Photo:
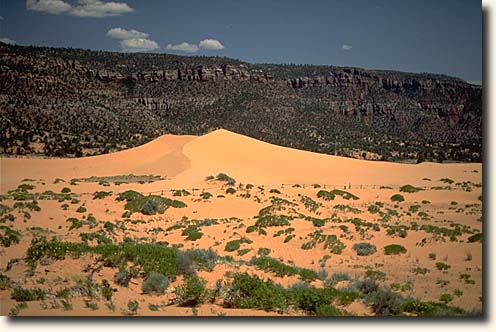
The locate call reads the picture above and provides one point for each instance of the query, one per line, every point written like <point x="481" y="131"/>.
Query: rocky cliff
<point x="77" y="102"/>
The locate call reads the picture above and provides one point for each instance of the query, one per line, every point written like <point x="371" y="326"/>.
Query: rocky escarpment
<point x="79" y="102"/>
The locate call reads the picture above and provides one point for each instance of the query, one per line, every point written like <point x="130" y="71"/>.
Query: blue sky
<point x="441" y="36"/>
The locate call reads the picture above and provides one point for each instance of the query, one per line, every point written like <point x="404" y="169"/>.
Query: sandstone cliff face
<point x="200" y="73"/>
<point x="102" y="97"/>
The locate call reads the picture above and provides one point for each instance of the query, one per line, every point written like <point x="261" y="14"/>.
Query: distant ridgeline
<point x="74" y="102"/>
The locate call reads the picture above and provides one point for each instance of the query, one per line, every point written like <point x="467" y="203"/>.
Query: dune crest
<point x="188" y="159"/>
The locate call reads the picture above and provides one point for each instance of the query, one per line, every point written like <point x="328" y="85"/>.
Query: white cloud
<point x="84" y="8"/>
<point x="119" y="33"/>
<point x="48" y="6"/>
<point x="7" y="41"/>
<point x="97" y="8"/>
<point x="346" y="47"/>
<point x="138" y="45"/>
<point x="211" y="44"/>
<point x="183" y="47"/>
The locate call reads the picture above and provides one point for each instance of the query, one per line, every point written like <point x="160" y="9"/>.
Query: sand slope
<point x="188" y="159"/>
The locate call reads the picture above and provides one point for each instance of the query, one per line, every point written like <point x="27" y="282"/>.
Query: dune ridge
<point x="188" y="159"/>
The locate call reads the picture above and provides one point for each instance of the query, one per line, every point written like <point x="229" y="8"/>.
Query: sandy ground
<point x="185" y="161"/>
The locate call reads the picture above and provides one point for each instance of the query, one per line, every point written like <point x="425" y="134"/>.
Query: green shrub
<point x="365" y="286"/>
<point x="192" y="233"/>
<point x="5" y="282"/>
<point x="75" y="223"/>
<point x="477" y="237"/>
<point x="9" y="236"/>
<point x="442" y="266"/>
<point x="327" y="310"/>
<point x="397" y="198"/>
<point x="446" y="298"/>
<point x="375" y="275"/>
<point x="192" y="292"/>
<point x="101" y="194"/>
<point x="155" y="283"/>
<point x="385" y="302"/>
<point x="81" y="209"/>
<point x="326" y="195"/>
<point x="24" y="295"/>
<point x="230" y="191"/>
<point x="364" y="248"/>
<point x="394" y="249"/>
<point x="122" y="278"/>
<point x="149" y="207"/>
<point x="148" y="204"/>
<point x="274" y="191"/>
<point x="263" y="251"/>
<point x="232" y="245"/>
<point x="206" y="195"/>
<point x="225" y="178"/>
<point x="410" y="189"/>
<point x="430" y="309"/>
<point x="65" y="190"/>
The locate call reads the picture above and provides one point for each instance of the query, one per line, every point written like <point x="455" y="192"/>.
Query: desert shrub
<point x="414" y="208"/>
<point x="420" y="270"/>
<point x="65" y="190"/>
<point x="364" y="248"/>
<point x="24" y="295"/>
<point x="446" y="298"/>
<point x="149" y="207"/>
<point x="132" y="307"/>
<point x="75" y="223"/>
<point x="280" y="269"/>
<point x="152" y="204"/>
<point x="101" y="194"/>
<point x="339" y="276"/>
<point x="327" y="310"/>
<point x="225" y="178"/>
<point x="155" y="283"/>
<point x="185" y="264"/>
<point x="206" y="195"/>
<point x="192" y="233"/>
<point x="432" y="256"/>
<point x="129" y="195"/>
<point x="192" y="292"/>
<point x="430" y="309"/>
<point x="397" y="198"/>
<point x="326" y="195"/>
<point x="81" y="209"/>
<point x="246" y="291"/>
<point x="5" y="282"/>
<point x="9" y="236"/>
<point x="442" y="266"/>
<point x="385" y="302"/>
<point x="242" y="252"/>
<point x="122" y="278"/>
<point x="126" y="214"/>
<point x="375" y="275"/>
<point x="230" y="191"/>
<point x="232" y="245"/>
<point x="410" y="189"/>
<point x="477" y="237"/>
<point x="273" y="220"/>
<point x="365" y="286"/>
<point x="447" y="180"/>
<point x="394" y="249"/>
<point x="263" y="251"/>
<point x="181" y="192"/>
<point x="274" y="191"/>
<point x="374" y="209"/>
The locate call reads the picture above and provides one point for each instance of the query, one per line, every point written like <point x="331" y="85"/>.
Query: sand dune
<point x="188" y="159"/>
